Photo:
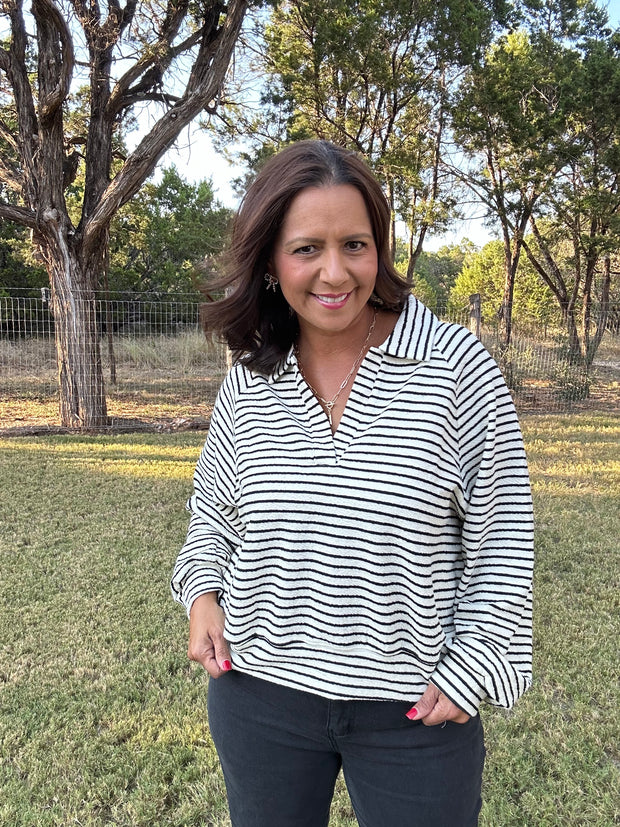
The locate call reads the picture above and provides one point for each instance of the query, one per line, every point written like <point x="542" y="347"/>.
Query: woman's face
<point x="325" y="259"/>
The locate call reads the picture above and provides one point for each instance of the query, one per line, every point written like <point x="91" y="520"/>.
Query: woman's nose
<point x="333" y="270"/>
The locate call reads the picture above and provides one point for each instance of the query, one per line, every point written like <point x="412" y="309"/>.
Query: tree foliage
<point x="528" y="122"/>
<point x="583" y="205"/>
<point x="539" y="120"/>
<point x="16" y="270"/>
<point x="483" y="273"/>
<point x="435" y="273"/>
<point x="371" y="75"/>
<point x="160" y="236"/>
<point x="157" y="240"/>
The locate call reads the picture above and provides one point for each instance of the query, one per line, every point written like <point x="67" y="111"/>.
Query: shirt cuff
<point x="458" y="684"/>
<point x="200" y="582"/>
<point x="472" y="670"/>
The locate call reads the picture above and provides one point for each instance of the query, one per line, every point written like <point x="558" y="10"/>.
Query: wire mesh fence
<point x="158" y="366"/>
<point x="161" y="372"/>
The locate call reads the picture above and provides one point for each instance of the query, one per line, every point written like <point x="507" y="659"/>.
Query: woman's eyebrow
<point x="306" y="239"/>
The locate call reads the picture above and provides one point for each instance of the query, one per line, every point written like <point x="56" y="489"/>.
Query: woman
<point x="357" y="569"/>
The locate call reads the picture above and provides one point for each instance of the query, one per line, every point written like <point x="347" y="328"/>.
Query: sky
<point x="196" y="160"/>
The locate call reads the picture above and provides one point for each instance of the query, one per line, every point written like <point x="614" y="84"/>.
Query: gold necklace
<point x="328" y="404"/>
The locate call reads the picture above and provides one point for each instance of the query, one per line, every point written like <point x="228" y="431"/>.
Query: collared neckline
<point x="412" y="338"/>
<point x="414" y="333"/>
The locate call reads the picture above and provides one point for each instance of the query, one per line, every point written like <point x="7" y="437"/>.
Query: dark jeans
<point x="281" y="751"/>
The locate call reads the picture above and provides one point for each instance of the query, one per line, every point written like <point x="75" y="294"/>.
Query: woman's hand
<point x="434" y="708"/>
<point x="206" y="635"/>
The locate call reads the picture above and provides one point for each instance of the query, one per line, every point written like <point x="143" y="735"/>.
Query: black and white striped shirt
<point x="362" y="564"/>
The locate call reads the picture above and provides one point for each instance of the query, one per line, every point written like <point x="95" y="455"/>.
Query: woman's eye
<point x="355" y="245"/>
<point x="308" y="248"/>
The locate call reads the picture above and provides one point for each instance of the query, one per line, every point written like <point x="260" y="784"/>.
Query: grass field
<point x="102" y="719"/>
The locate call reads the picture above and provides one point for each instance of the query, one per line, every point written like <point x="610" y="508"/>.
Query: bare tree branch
<point x="10" y="176"/>
<point x="128" y="14"/>
<point x="9" y="180"/>
<point x="151" y="70"/>
<point x="8" y="135"/>
<point x="155" y="62"/>
<point x="160" y="97"/>
<point x="5" y="61"/>
<point x="15" y="66"/>
<point x="20" y="215"/>
<point x="211" y="36"/>
<point x="118" y="19"/>
<point x="214" y="56"/>
<point x="48" y="16"/>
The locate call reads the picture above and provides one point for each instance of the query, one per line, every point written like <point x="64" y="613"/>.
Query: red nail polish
<point x="226" y="665"/>
<point x="413" y="713"/>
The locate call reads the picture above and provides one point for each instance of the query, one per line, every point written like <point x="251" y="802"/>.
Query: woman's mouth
<point x="333" y="300"/>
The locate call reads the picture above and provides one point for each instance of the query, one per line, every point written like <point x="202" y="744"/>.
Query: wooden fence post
<point x="475" y="314"/>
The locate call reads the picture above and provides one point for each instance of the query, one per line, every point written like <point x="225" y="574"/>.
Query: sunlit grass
<point x="554" y="760"/>
<point x="103" y="720"/>
<point x="163" y="402"/>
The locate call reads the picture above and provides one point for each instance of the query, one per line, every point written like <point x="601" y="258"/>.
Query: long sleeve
<point x="491" y="650"/>
<point x="215" y="528"/>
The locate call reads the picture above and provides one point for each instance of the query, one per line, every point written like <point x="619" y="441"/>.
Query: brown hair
<point x="256" y="323"/>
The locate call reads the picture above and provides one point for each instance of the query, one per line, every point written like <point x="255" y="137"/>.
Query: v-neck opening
<point x="361" y="388"/>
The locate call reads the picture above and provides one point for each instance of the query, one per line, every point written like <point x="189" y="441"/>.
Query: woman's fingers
<point x="435" y="708"/>
<point x="207" y="644"/>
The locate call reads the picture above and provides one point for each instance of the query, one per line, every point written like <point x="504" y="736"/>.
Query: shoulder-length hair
<point x="255" y="322"/>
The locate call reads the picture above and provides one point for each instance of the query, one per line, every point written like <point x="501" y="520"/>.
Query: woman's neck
<point x="316" y="345"/>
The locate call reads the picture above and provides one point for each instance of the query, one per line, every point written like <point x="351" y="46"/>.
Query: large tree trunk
<point x="511" y="261"/>
<point x="575" y="354"/>
<point x="592" y="342"/>
<point x="80" y="372"/>
<point x="506" y="307"/>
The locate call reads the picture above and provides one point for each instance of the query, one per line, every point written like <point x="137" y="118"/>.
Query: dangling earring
<point x="272" y="282"/>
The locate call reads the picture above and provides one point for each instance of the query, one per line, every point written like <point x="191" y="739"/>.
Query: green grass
<point x="102" y="719"/>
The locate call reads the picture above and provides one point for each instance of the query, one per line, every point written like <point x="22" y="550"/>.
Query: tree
<point x="484" y="273"/>
<point x="575" y="240"/>
<point x="172" y="55"/>
<point x="522" y="111"/>
<point x="371" y="75"/>
<point x="439" y="271"/>
<point x="504" y="115"/>
<point x="163" y="232"/>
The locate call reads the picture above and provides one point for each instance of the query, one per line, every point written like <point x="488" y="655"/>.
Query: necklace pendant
<point x="329" y="407"/>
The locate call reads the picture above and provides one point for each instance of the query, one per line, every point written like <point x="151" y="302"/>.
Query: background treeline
<point x="156" y="241"/>
<point x="511" y="110"/>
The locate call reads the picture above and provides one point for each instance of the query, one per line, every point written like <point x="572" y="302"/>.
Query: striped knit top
<point x="397" y="551"/>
